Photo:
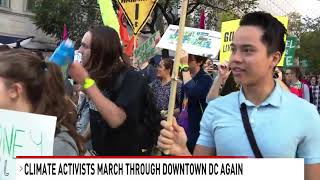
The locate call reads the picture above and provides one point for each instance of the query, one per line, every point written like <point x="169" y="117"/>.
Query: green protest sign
<point x="291" y="45"/>
<point x="148" y="49"/>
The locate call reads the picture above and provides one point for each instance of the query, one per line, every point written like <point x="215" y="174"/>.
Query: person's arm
<point x="223" y="74"/>
<point x="312" y="172"/>
<point x="186" y="77"/>
<point x="194" y="90"/>
<point x="110" y="112"/>
<point x="214" y="91"/>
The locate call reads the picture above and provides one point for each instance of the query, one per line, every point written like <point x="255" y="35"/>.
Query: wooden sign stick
<point x="135" y="39"/>
<point x="176" y="64"/>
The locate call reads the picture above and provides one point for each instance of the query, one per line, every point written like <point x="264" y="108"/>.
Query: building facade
<point x="17" y="28"/>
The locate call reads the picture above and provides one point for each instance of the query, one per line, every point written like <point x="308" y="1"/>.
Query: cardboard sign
<point x="23" y="134"/>
<point x="195" y="41"/>
<point x="137" y="12"/>
<point x="148" y="49"/>
<point x="228" y="29"/>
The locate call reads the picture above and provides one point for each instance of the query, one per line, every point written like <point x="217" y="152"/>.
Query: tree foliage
<point x="214" y="9"/>
<point x="295" y="26"/>
<point x="309" y="44"/>
<point x="78" y="15"/>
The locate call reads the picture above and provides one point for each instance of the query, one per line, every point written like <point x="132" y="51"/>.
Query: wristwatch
<point x="183" y="68"/>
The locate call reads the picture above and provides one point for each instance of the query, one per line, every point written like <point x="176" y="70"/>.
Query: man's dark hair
<point x="273" y="30"/>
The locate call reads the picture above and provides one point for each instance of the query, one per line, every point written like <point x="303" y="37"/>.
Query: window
<point x="4" y="3"/>
<point x="30" y="5"/>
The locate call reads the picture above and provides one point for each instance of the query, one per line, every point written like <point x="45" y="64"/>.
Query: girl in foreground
<point x="31" y="85"/>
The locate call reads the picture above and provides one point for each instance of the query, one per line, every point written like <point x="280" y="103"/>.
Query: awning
<point x="27" y="43"/>
<point x="9" y="39"/>
<point x="37" y="45"/>
<point x="14" y="42"/>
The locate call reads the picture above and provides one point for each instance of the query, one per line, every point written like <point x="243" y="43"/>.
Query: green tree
<point x="78" y="15"/>
<point x="295" y="26"/>
<point x="309" y="44"/>
<point x="215" y="10"/>
<point x="51" y="15"/>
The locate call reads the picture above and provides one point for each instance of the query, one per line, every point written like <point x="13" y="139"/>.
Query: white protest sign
<point x="196" y="41"/>
<point x="23" y="134"/>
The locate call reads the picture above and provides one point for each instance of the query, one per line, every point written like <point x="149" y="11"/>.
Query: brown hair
<point x="198" y="59"/>
<point x="44" y="88"/>
<point x="296" y="70"/>
<point x="106" y="50"/>
<point x="4" y="48"/>
<point x="168" y="64"/>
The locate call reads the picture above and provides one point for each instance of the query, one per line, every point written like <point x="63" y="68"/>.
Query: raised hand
<point x="224" y="70"/>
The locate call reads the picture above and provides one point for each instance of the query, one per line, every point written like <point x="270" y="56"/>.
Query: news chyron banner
<point x="175" y="168"/>
<point x="228" y="29"/>
<point x="137" y="12"/>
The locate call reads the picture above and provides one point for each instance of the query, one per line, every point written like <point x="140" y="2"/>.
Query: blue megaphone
<point x="63" y="56"/>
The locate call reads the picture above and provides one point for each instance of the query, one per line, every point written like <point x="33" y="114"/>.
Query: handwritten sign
<point x="291" y="45"/>
<point x="23" y="134"/>
<point x="195" y="41"/>
<point x="148" y="49"/>
<point x="228" y="29"/>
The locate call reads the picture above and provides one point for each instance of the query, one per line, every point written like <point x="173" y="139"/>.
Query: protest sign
<point x="195" y="41"/>
<point x="137" y="12"/>
<point x="228" y="29"/>
<point x="291" y="45"/>
<point x="148" y="49"/>
<point x="23" y="134"/>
